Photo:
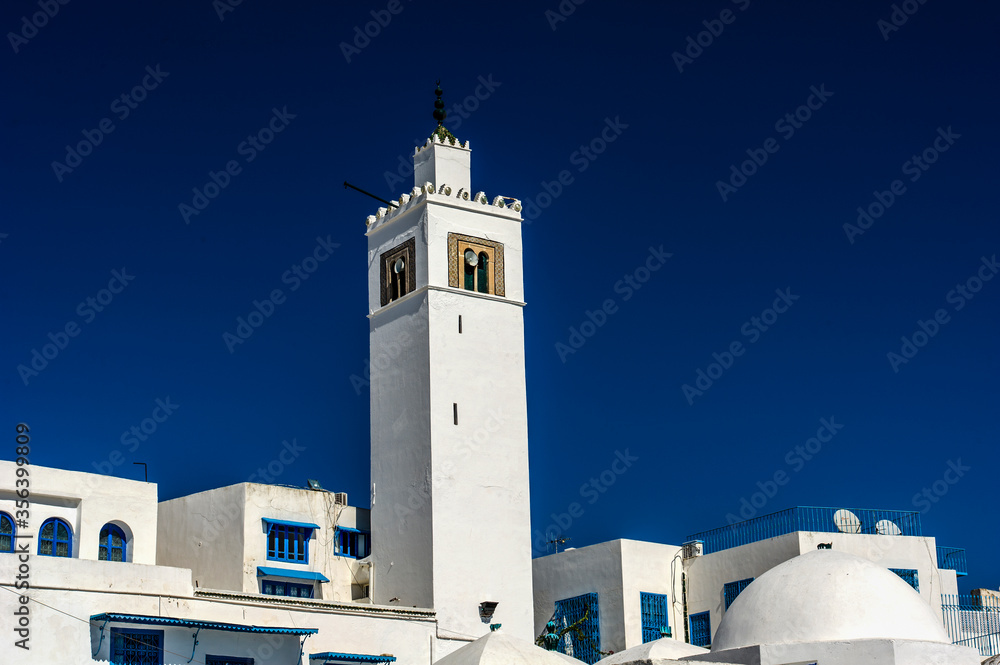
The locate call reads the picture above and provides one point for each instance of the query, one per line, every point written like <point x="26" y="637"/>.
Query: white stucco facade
<point x="221" y="535"/>
<point x="450" y="507"/>
<point x="618" y="571"/>
<point x="86" y="502"/>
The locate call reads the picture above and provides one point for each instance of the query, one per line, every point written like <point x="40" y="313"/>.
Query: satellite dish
<point x="398" y="266"/>
<point x="887" y="528"/>
<point x="471" y="258"/>
<point x="846" y="521"/>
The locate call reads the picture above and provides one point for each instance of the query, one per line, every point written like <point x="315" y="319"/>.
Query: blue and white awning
<point x="267" y="571"/>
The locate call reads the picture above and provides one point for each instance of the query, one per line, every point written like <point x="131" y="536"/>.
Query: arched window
<point x="112" y="545"/>
<point x="483" y="274"/>
<point x="6" y="533"/>
<point x="470" y="260"/>
<point x="55" y="538"/>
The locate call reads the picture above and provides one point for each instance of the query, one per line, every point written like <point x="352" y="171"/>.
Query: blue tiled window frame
<point x="119" y="659"/>
<point x="55" y="541"/>
<point x="701" y="629"/>
<point x="732" y="589"/>
<point x="655" y="610"/>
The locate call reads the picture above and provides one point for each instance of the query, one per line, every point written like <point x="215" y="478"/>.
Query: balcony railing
<point x="810" y="518"/>
<point x="952" y="558"/>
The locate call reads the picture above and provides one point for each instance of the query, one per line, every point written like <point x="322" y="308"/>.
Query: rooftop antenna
<point x="558" y="541"/>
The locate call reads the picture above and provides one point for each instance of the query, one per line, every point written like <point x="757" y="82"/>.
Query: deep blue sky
<point x="552" y="92"/>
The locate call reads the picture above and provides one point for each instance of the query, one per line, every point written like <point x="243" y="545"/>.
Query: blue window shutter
<point x="584" y="643"/>
<point x="733" y="589"/>
<point x="655" y="617"/>
<point x="701" y="629"/>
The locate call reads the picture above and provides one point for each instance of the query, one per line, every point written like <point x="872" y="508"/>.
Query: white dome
<point x="823" y="596"/>
<point x="663" y="649"/>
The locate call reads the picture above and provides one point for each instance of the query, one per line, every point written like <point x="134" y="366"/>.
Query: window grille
<point x="288" y="543"/>
<point x="55" y="538"/>
<point x="289" y="589"/>
<point x="112" y="544"/>
<point x="6" y="533"/>
<point x="654" y="616"/>
<point x="701" y="629"/>
<point x="583" y="643"/>
<point x="136" y="647"/>
<point x="909" y="575"/>
<point x="733" y="589"/>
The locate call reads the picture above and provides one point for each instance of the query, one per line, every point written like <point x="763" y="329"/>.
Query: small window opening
<point x="454" y="407"/>
<point x="459" y="324"/>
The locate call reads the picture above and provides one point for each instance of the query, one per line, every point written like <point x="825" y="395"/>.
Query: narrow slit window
<point x="454" y="408"/>
<point x="459" y="324"/>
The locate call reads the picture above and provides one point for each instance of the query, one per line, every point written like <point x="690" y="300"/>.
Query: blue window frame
<point x="733" y="589"/>
<point x="655" y="619"/>
<point x="583" y="643"/>
<point x="701" y="629"/>
<point x="909" y="576"/>
<point x="353" y="543"/>
<point x="227" y="660"/>
<point x="55" y="538"/>
<point x="288" y="542"/>
<point x="7" y="533"/>
<point x="112" y="544"/>
<point x="136" y="647"/>
<point x="289" y="589"/>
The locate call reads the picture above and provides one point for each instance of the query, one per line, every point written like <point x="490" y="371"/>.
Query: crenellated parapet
<point x="419" y="194"/>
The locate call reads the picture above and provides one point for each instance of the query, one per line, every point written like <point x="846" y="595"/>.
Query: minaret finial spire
<point x="439" y="112"/>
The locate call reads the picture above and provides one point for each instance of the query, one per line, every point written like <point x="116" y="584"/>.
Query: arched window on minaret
<point x="398" y="272"/>
<point x="470" y="269"/>
<point x="483" y="274"/>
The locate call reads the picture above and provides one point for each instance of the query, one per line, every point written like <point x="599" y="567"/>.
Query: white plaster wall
<point x="618" y="571"/>
<point x="442" y="164"/>
<point x="651" y="568"/>
<point x="205" y="532"/>
<point x="592" y="569"/>
<point x="105" y="576"/>
<point x="88" y="501"/>
<point x="447" y="214"/>
<point x="410" y="223"/>
<point x="706" y="575"/>
<point x="401" y="453"/>
<point x="409" y="637"/>
<point x="480" y="467"/>
<point x="303" y="505"/>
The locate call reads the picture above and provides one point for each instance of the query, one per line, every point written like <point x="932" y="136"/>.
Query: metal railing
<point x="973" y="621"/>
<point x="810" y="518"/>
<point x="952" y="558"/>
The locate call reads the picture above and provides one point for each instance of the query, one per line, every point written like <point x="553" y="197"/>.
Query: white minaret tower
<point x="450" y="515"/>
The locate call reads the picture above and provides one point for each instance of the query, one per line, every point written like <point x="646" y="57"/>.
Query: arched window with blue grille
<point x="55" y="538"/>
<point x="7" y="533"/>
<point x="113" y="545"/>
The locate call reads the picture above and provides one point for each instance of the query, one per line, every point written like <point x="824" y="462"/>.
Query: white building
<point x="260" y="574"/>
